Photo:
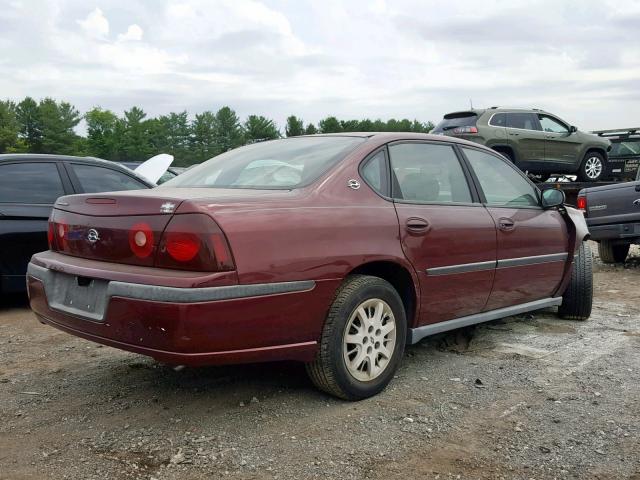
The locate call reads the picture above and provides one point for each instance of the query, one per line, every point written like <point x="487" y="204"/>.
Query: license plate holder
<point x="79" y="296"/>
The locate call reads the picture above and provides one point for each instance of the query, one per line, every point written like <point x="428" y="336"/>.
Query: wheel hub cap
<point x="593" y="167"/>
<point x="369" y="339"/>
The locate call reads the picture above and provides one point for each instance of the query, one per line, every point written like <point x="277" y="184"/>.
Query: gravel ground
<point x="529" y="397"/>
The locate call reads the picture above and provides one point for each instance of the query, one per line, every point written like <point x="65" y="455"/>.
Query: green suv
<point x="536" y="141"/>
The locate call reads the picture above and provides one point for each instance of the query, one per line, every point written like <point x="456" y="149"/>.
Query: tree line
<point x="48" y="126"/>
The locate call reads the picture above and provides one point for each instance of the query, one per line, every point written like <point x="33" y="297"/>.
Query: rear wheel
<point x="611" y="252"/>
<point x="592" y="168"/>
<point x="577" y="299"/>
<point x="362" y="341"/>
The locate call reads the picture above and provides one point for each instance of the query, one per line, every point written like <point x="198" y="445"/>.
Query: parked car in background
<point x="29" y="185"/>
<point x="536" y="141"/>
<point x="613" y="217"/>
<point x="336" y="254"/>
<point x="171" y="172"/>
<point x="624" y="157"/>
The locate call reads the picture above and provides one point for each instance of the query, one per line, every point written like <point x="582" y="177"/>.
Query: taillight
<point x="582" y="203"/>
<point x="60" y="231"/>
<point x="194" y="241"/>
<point x="51" y="236"/>
<point x="463" y="130"/>
<point x="141" y="240"/>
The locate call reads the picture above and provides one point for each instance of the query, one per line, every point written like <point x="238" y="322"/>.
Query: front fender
<point x="576" y="223"/>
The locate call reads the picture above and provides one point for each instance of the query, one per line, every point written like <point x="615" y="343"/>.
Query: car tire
<point x="611" y="252"/>
<point x="334" y="369"/>
<point x="593" y="167"/>
<point x="577" y="299"/>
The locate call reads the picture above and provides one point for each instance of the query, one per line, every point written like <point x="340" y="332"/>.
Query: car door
<point x="447" y="235"/>
<point x="533" y="243"/>
<point x="28" y="191"/>
<point x="561" y="145"/>
<point x="524" y="131"/>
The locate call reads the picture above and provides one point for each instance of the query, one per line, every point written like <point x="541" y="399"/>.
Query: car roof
<point x="27" y="157"/>
<point x="482" y="111"/>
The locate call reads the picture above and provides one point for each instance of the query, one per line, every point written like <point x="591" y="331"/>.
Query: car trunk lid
<point x="617" y="203"/>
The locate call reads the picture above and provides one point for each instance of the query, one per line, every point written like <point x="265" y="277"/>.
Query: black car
<point x="624" y="157"/>
<point x="29" y="186"/>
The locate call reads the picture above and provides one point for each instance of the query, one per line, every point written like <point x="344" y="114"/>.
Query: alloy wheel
<point x="369" y="340"/>
<point x="593" y="167"/>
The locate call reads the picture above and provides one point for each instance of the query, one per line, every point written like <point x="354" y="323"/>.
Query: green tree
<point x="365" y="125"/>
<point x="103" y="138"/>
<point x="350" y="125"/>
<point x="203" y="141"/>
<point x="295" y="126"/>
<point x="257" y="128"/>
<point x="311" y="129"/>
<point x="135" y="145"/>
<point x="28" y="114"/>
<point x="330" y="125"/>
<point x="9" y="127"/>
<point x="58" y="121"/>
<point x="228" y="132"/>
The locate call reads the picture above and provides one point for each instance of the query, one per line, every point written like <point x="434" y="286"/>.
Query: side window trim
<point x="475" y="198"/>
<point x="478" y="186"/>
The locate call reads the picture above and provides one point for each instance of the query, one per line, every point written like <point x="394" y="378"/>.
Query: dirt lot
<point x="531" y="397"/>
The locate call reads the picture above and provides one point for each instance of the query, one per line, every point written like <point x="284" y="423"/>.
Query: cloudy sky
<point x="350" y="58"/>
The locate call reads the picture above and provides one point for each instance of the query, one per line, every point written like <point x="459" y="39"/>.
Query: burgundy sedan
<point x="333" y="250"/>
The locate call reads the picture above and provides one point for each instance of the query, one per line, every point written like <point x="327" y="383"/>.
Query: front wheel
<point x="592" y="168"/>
<point x="577" y="299"/>
<point x="362" y="341"/>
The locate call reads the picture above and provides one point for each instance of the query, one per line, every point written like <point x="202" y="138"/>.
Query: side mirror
<point x="573" y="129"/>
<point x="552" y="198"/>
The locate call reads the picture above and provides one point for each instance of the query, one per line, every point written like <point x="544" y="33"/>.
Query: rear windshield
<point x="279" y="164"/>
<point x="454" y="120"/>
<point x="625" y="148"/>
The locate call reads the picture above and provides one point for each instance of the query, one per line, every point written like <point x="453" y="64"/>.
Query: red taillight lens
<point x="463" y="130"/>
<point x="141" y="240"/>
<point x="51" y="236"/>
<point x="582" y="203"/>
<point x="194" y="241"/>
<point x="182" y="247"/>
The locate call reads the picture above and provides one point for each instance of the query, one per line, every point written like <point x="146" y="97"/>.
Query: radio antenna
<point x="471" y="104"/>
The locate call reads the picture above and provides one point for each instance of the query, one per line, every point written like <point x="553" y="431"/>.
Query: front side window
<point x="552" y="125"/>
<point x="424" y="172"/>
<point x="626" y="148"/>
<point x="524" y="121"/>
<point x="37" y="183"/>
<point x="278" y="164"/>
<point x="98" y="179"/>
<point x="502" y="184"/>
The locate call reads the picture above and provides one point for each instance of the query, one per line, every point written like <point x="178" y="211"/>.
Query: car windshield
<point x="278" y="164"/>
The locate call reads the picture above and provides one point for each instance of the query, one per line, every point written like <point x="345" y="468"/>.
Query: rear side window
<point x="502" y="185"/>
<point x="425" y="172"/>
<point x="525" y="121"/>
<point x="37" y="183"/>
<point x="454" y="120"/>
<point x="498" y="120"/>
<point x="375" y="173"/>
<point x="98" y="179"/>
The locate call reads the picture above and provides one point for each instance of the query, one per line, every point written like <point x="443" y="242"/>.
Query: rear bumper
<point x="615" y="231"/>
<point x="190" y="326"/>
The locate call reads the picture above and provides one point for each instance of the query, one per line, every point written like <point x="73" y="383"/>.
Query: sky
<point x="352" y="58"/>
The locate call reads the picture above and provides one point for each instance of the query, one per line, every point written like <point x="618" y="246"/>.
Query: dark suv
<point x="29" y="185"/>
<point x="536" y="141"/>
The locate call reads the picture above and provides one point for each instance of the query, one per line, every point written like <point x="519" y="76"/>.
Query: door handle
<point x="417" y="225"/>
<point x="506" y="224"/>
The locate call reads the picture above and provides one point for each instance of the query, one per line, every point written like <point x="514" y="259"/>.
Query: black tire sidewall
<point x="352" y="387"/>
